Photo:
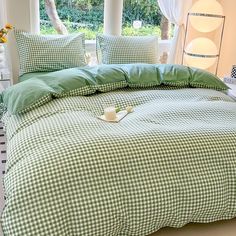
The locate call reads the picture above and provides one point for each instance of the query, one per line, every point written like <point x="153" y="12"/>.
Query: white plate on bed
<point x="119" y="116"/>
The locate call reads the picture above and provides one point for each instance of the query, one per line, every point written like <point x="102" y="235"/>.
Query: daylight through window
<point x="140" y="18"/>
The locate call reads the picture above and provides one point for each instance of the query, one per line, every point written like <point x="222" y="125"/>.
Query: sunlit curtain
<point x="176" y="12"/>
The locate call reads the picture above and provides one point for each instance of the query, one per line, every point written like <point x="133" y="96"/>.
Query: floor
<point x="221" y="228"/>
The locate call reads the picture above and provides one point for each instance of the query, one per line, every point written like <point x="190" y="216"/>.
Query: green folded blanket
<point x="41" y="89"/>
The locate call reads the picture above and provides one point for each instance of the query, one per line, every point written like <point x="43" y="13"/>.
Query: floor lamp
<point x="205" y="18"/>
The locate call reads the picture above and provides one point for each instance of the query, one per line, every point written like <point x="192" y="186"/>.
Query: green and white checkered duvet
<point x="171" y="162"/>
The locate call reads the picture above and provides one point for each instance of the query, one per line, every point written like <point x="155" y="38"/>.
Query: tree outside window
<point x="63" y="16"/>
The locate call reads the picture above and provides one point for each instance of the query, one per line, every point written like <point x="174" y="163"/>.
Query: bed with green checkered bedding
<point x="170" y="162"/>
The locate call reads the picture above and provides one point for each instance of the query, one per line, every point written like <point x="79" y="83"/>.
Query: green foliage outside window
<point x="87" y="16"/>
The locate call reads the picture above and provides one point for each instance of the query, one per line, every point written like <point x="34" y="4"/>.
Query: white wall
<point x="228" y="52"/>
<point x="24" y="15"/>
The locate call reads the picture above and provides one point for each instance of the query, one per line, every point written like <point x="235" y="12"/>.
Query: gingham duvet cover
<point x="170" y="162"/>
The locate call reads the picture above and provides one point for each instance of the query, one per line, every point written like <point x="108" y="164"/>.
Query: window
<point x="140" y="17"/>
<point x="77" y="15"/>
<point x="144" y="17"/>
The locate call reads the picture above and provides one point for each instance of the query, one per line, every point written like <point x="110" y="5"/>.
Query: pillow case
<point x="49" y="52"/>
<point x="126" y="49"/>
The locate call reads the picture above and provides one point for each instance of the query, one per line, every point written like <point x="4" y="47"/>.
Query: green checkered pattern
<point x="45" y="99"/>
<point x="86" y="90"/>
<point x="177" y="83"/>
<point x="49" y="52"/>
<point x="201" y="85"/>
<point x="127" y="49"/>
<point x="170" y="162"/>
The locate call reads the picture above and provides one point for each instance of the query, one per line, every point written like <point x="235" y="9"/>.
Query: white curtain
<point x="176" y="12"/>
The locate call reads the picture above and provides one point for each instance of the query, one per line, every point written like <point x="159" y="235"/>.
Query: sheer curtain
<point x="176" y="12"/>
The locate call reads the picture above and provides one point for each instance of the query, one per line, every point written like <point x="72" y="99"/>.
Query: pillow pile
<point x="47" y="53"/>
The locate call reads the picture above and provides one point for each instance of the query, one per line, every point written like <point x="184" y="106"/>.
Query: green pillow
<point x="127" y="49"/>
<point x="204" y="79"/>
<point x="49" y="52"/>
<point x="184" y="76"/>
<point x="142" y="75"/>
<point x="174" y="75"/>
<point x="25" y="96"/>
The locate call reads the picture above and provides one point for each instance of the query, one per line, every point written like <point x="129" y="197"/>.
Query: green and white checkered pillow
<point x="49" y="52"/>
<point x="127" y="49"/>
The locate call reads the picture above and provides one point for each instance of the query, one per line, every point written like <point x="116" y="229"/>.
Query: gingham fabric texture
<point x="81" y="91"/>
<point x="170" y="162"/>
<point x="127" y="49"/>
<point x="233" y="71"/>
<point x="49" y="52"/>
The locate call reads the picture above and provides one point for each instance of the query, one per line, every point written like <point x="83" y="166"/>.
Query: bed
<point x="170" y="162"/>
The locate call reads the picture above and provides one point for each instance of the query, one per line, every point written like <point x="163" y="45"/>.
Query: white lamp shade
<point x="204" y="23"/>
<point x="201" y="46"/>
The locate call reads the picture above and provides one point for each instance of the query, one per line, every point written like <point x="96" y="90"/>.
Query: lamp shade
<point x="201" y="53"/>
<point x="206" y="23"/>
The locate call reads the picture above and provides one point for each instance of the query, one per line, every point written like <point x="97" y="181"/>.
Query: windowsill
<point x="90" y="46"/>
<point x="162" y="43"/>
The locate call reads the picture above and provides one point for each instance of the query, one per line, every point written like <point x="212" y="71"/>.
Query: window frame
<point x="90" y="45"/>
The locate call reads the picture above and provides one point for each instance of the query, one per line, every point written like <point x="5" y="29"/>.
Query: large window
<point x="140" y="17"/>
<point x="77" y="15"/>
<point x="87" y="16"/>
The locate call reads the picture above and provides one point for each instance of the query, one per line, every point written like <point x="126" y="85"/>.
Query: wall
<point x="24" y="15"/>
<point x="228" y="52"/>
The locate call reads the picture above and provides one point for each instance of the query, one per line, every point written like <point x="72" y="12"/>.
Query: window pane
<point x="78" y="16"/>
<point x="140" y="17"/>
<point x="143" y="17"/>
